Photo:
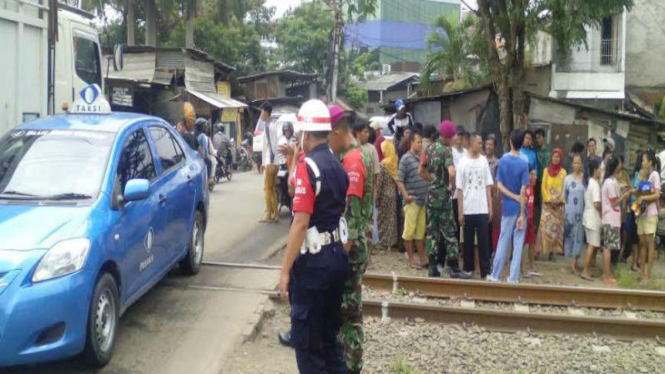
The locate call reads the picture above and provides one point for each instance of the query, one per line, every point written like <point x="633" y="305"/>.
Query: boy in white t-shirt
<point x="473" y="183"/>
<point x="591" y="219"/>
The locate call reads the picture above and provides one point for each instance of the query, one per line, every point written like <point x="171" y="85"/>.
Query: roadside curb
<point x="274" y="249"/>
<point x="264" y="310"/>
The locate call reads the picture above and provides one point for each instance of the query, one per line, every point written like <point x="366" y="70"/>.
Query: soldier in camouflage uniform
<point x="357" y="163"/>
<point x="437" y="167"/>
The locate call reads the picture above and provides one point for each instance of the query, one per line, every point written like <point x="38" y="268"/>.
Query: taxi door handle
<point x="162" y="198"/>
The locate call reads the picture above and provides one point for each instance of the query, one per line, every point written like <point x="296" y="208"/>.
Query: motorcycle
<point x="283" y="198"/>
<point x="223" y="170"/>
<point x="244" y="159"/>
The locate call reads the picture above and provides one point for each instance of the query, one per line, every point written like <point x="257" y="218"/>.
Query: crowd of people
<point x="446" y="193"/>
<point x="445" y="197"/>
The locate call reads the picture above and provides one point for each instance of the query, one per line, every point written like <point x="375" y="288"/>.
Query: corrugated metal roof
<point x="199" y="75"/>
<point x="385" y="82"/>
<point x="286" y="74"/>
<point x="138" y="67"/>
<point x="216" y="100"/>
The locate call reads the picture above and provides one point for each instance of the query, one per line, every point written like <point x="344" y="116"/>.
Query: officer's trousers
<point x="315" y="288"/>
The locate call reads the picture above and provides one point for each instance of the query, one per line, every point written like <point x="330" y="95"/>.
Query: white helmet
<point x="313" y="116"/>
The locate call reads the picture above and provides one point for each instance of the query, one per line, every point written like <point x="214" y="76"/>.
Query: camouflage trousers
<point x="352" y="334"/>
<point x="441" y="237"/>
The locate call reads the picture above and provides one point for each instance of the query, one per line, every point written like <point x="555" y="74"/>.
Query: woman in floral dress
<point x="551" y="220"/>
<point x="573" y="192"/>
<point x="386" y="197"/>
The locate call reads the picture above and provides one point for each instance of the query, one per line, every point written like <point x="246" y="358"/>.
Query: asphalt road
<point x="173" y="329"/>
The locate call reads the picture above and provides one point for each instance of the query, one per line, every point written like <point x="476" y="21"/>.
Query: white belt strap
<point x="317" y="173"/>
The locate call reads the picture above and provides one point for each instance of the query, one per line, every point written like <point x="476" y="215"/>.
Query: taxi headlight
<point x="63" y="258"/>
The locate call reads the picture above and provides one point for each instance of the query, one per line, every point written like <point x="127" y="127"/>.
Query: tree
<point x="448" y="49"/>
<point x="303" y="36"/>
<point x="508" y="25"/>
<point x="357" y="97"/>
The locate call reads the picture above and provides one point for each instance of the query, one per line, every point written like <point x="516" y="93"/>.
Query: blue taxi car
<point x="94" y="210"/>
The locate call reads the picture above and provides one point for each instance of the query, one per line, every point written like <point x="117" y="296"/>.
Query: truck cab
<point x="36" y="78"/>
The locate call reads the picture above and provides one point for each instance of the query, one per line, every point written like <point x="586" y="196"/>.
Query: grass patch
<point x="401" y="292"/>
<point x="400" y="366"/>
<point x="627" y="278"/>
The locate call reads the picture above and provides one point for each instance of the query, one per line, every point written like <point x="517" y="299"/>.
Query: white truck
<point x="46" y="58"/>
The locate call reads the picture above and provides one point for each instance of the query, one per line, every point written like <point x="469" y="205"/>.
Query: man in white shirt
<point x="474" y="182"/>
<point x="459" y="152"/>
<point x="271" y="135"/>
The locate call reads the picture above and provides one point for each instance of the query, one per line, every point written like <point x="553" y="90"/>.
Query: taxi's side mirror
<point x="136" y="189"/>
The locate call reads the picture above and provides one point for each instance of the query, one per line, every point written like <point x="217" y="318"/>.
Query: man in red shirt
<point x="357" y="163"/>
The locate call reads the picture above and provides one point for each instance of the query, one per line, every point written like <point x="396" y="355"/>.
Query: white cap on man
<point x="608" y="141"/>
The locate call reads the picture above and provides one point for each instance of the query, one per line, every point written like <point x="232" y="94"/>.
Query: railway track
<point x="506" y="293"/>
<point x="505" y="320"/>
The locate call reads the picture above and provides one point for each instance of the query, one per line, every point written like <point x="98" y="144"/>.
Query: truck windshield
<point x="86" y="53"/>
<point x="53" y="164"/>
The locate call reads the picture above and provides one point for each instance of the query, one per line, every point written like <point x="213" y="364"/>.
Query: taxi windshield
<point x="57" y="165"/>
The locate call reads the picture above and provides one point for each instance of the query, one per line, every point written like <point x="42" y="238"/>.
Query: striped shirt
<point x="407" y="173"/>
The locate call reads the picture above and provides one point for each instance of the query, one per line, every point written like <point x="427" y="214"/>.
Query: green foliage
<point x="450" y="46"/>
<point x="363" y="62"/>
<point x="237" y="44"/>
<point x="400" y="366"/>
<point x="357" y="97"/>
<point x="304" y="38"/>
<point x="660" y="107"/>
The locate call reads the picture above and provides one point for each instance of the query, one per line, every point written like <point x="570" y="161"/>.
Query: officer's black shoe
<point x="433" y="270"/>
<point x="459" y="274"/>
<point x="285" y="338"/>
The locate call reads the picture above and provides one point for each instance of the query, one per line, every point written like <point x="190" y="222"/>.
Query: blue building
<point x="399" y="28"/>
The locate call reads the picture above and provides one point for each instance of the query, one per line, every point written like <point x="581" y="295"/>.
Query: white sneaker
<point x="489" y="278"/>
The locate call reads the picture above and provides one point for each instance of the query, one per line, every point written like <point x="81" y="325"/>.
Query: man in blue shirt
<point x="512" y="178"/>
<point x="527" y="152"/>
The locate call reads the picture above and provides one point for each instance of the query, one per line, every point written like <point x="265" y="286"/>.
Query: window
<point x="33" y="163"/>
<point x="168" y="149"/>
<point x="86" y="57"/>
<point x="608" y="40"/>
<point x="135" y="160"/>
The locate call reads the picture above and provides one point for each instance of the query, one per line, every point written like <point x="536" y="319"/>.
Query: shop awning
<point x="217" y="101"/>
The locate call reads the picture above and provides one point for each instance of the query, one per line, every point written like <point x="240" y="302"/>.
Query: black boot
<point x="433" y="271"/>
<point x="456" y="272"/>
<point x="285" y="338"/>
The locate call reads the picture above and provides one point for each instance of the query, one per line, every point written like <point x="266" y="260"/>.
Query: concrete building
<point x="399" y="29"/>
<point x="388" y="88"/>
<point x="645" y="50"/>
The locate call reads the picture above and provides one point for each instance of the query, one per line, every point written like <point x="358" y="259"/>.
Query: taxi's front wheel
<point x="191" y="264"/>
<point x="102" y="322"/>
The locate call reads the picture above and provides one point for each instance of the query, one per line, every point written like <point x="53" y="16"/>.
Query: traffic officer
<point x="315" y="266"/>
<point x="357" y="163"/>
<point x="437" y="167"/>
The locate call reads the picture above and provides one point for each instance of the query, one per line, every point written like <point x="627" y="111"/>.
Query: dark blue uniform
<point x="317" y="280"/>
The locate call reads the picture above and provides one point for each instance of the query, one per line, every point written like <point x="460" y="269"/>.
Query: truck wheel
<point x="102" y="322"/>
<point x="191" y="264"/>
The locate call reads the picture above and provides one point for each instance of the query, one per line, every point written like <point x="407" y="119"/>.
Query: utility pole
<point x="150" y="23"/>
<point x="131" y="22"/>
<point x="337" y="44"/>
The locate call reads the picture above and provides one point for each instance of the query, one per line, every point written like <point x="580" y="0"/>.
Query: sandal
<point x="586" y="277"/>
<point x="610" y="282"/>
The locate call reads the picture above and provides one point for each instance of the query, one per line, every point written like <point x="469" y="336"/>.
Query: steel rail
<point x="511" y="321"/>
<point x="523" y="293"/>
<point x="611" y="298"/>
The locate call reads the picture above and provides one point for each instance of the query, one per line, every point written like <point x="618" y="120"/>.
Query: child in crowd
<point x="530" y="235"/>
<point x="644" y="187"/>
<point x="592" y="218"/>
